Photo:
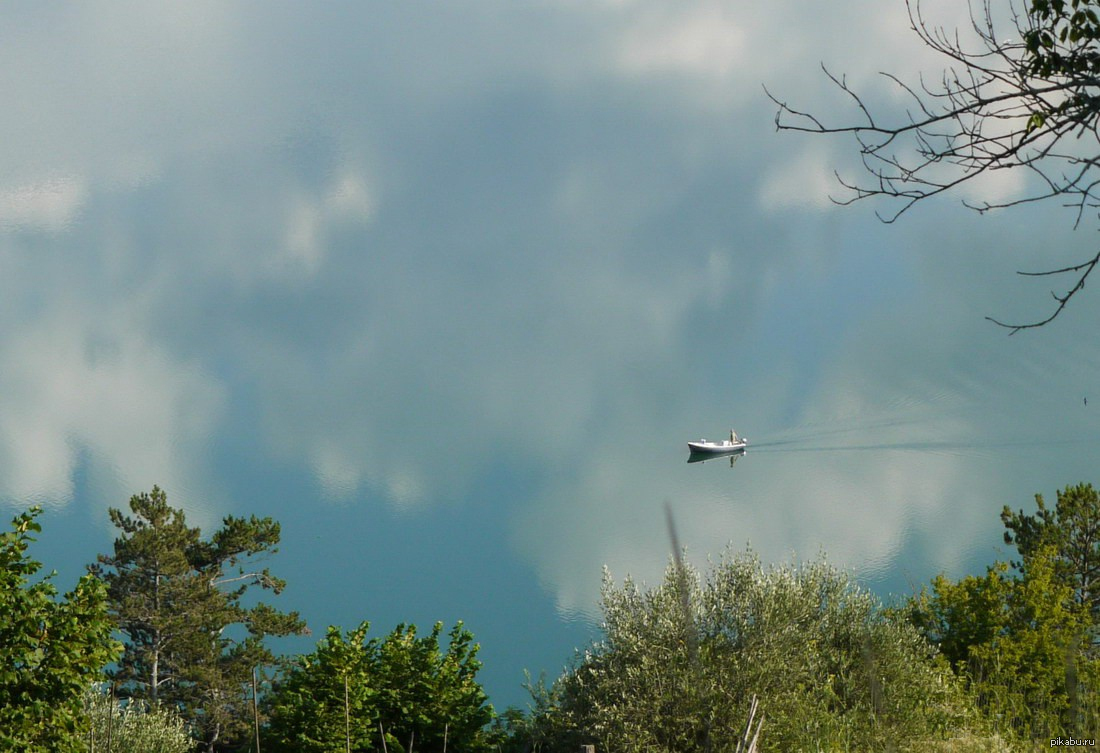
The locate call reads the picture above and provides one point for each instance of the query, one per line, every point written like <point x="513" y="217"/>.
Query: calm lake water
<point x="446" y="292"/>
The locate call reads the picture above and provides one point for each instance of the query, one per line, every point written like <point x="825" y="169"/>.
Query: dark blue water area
<point x="369" y="562"/>
<point x="361" y="558"/>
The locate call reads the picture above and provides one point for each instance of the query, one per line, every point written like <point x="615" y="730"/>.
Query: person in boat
<point x="733" y="437"/>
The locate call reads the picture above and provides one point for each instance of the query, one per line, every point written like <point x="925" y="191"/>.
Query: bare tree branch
<point x="1022" y="91"/>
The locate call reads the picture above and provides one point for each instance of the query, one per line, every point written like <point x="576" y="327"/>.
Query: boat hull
<point x="717" y="448"/>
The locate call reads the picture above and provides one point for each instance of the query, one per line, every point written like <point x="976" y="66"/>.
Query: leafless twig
<point x="1000" y="104"/>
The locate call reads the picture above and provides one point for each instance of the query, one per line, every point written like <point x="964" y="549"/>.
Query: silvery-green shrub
<point x="133" y="727"/>
<point x="679" y="663"/>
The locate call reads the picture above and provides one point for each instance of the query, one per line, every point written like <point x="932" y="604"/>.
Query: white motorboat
<point x="733" y="444"/>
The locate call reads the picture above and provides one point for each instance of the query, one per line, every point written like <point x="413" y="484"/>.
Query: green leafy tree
<point x="1027" y="642"/>
<point x="178" y="600"/>
<point x="325" y="700"/>
<point x="1021" y="91"/>
<point x="957" y="616"/>
<point x="50" y="649"/>
<point x="425" y="693"/>
<point x="1017" y="643"/>
<point x="679" y="664"/>
<point x="352" y="690"/>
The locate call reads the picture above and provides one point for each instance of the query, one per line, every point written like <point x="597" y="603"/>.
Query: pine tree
<point x="177" y="599"/>
<point x="1072" y="528"/>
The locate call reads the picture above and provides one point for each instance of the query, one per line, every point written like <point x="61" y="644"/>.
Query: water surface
<point x="446" y="291"/>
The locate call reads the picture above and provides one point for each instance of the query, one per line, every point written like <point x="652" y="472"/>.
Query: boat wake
<point x="981" y="448"/>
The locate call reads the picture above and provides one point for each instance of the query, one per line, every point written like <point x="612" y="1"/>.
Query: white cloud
<point x="699" y="39"/>
<point x="350" y="197"/>
<point x="338" y="474"/>
<point x="73" y="389"/>
<point x="720" y="53"/>
<point x="48" y="204"/>
<point x="804" y="181"/>
<point x="346" y="199"/>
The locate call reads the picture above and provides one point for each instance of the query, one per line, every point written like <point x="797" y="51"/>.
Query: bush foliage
<point x="133" y="727"/>
<point x="679" y="664"/>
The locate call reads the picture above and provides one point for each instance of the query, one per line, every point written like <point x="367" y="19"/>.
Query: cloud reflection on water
<point x="406" y="247"/>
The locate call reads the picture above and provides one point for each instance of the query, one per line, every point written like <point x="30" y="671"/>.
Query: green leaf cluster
<point x="1061" y="46"/>
<point x="351" y="690"/>
<point x="50" y="649"/>
<point x="1061" y="35"/>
